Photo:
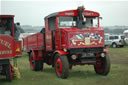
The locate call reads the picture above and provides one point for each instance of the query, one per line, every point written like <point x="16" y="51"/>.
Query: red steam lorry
<point x="72" y="37"/>
<point x="9" y="47"/>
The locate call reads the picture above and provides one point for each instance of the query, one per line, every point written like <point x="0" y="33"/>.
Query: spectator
<point x="3" y="26"/>
<point x="17" y="28"/>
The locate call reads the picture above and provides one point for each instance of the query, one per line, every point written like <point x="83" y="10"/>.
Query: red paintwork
<point x="90" y="38"/>
<point x="37" y="55"/>
<point x="100" y="64"/>
<point x="80" y="43"/>
<point x="106" y="50"/>
<point x="18" y="45"/>
<point x="74" y="13"/>
<point x="59" y="66"/>
<point x="8" y="45"/>
<point x="9" y="48"/>
<point x="6" y="16"/>
<point x="61" y="52"/>
<point x="48" y="38"/>
<point x="60" y="44"/>
<point x="35" y="42"/>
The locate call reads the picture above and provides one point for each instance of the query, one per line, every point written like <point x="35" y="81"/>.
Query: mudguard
<point x="106" y="50"/>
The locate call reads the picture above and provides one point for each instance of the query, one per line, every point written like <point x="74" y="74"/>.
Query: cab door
<point x="48" y="36"/>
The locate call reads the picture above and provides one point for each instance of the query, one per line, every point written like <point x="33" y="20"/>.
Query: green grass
<point x="119" y="55"/>
<point x="79" y="75"/>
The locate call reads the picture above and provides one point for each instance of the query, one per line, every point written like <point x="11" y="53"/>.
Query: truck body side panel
<point x="34" y="41"/>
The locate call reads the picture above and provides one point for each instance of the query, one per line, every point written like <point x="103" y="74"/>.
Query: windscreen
<point x="65" y="22"/>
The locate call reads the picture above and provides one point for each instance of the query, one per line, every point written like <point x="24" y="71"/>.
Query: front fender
<point x="106" y="50"/>
<point x="61" y="52"/>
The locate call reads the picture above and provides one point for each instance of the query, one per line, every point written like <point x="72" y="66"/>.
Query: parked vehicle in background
<point x="126" y="36"/>
<point x="114" y="40"/>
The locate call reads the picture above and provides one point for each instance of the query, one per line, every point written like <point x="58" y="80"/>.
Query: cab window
<point x="6" y="26"/>
<point x="52" y="23"/>
<point x="66" y="22"/>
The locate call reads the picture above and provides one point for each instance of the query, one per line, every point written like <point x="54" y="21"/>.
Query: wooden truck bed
<point x="34" y="41"/>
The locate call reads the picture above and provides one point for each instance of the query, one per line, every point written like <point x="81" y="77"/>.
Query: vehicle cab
<point x="72" y="37"/>
<point x="74" y="29"/>
<point x="10" y="48"/>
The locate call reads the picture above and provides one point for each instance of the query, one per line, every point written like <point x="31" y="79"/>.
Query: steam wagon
<point x="10" y="48"/>
<point x="71" y="37"/>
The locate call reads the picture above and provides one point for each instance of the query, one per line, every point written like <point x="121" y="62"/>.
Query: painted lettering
<point x="5" y="43"/>
<point x="69" y="13"/>
<point x="88" y="13"/>
<point x="3" y="52"/>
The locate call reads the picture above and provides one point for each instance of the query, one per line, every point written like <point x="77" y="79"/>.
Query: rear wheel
<point x="61" y="66"/>
<point x="102" y="65"/>
<point x="35" y="65"/>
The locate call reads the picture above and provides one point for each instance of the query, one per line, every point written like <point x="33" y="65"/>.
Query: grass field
<point x="79" y="75"/>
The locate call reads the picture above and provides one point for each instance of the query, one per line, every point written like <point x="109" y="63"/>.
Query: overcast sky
<point x="32" y="12"/>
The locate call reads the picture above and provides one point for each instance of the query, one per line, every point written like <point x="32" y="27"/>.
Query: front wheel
<point x="61" y="66"/>
<point x="102" y="65"/>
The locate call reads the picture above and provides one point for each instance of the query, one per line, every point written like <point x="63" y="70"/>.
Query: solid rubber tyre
<point x="102" y="65"/>
<point x="35" y="65"/>
<point x="61" y="65"/>
<point x="8" y="72"/>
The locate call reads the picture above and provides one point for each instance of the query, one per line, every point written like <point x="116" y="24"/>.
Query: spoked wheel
<point x="61" y="66"/>
<point x="102" y="65"/>
<point x="9" y="72"/>
<point x="35" y="65"/>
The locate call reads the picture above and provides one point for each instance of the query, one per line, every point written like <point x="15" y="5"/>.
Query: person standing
<point x="2" y="26"/>
<point x="17" y="28"/>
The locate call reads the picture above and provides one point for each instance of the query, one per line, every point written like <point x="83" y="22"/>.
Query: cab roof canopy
<point x="6" y="16"/>
<point x="87" y="13"/>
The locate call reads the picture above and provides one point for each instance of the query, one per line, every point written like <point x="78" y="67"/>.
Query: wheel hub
<point x="100" y="65"/>
<point x="58" y="66"/>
